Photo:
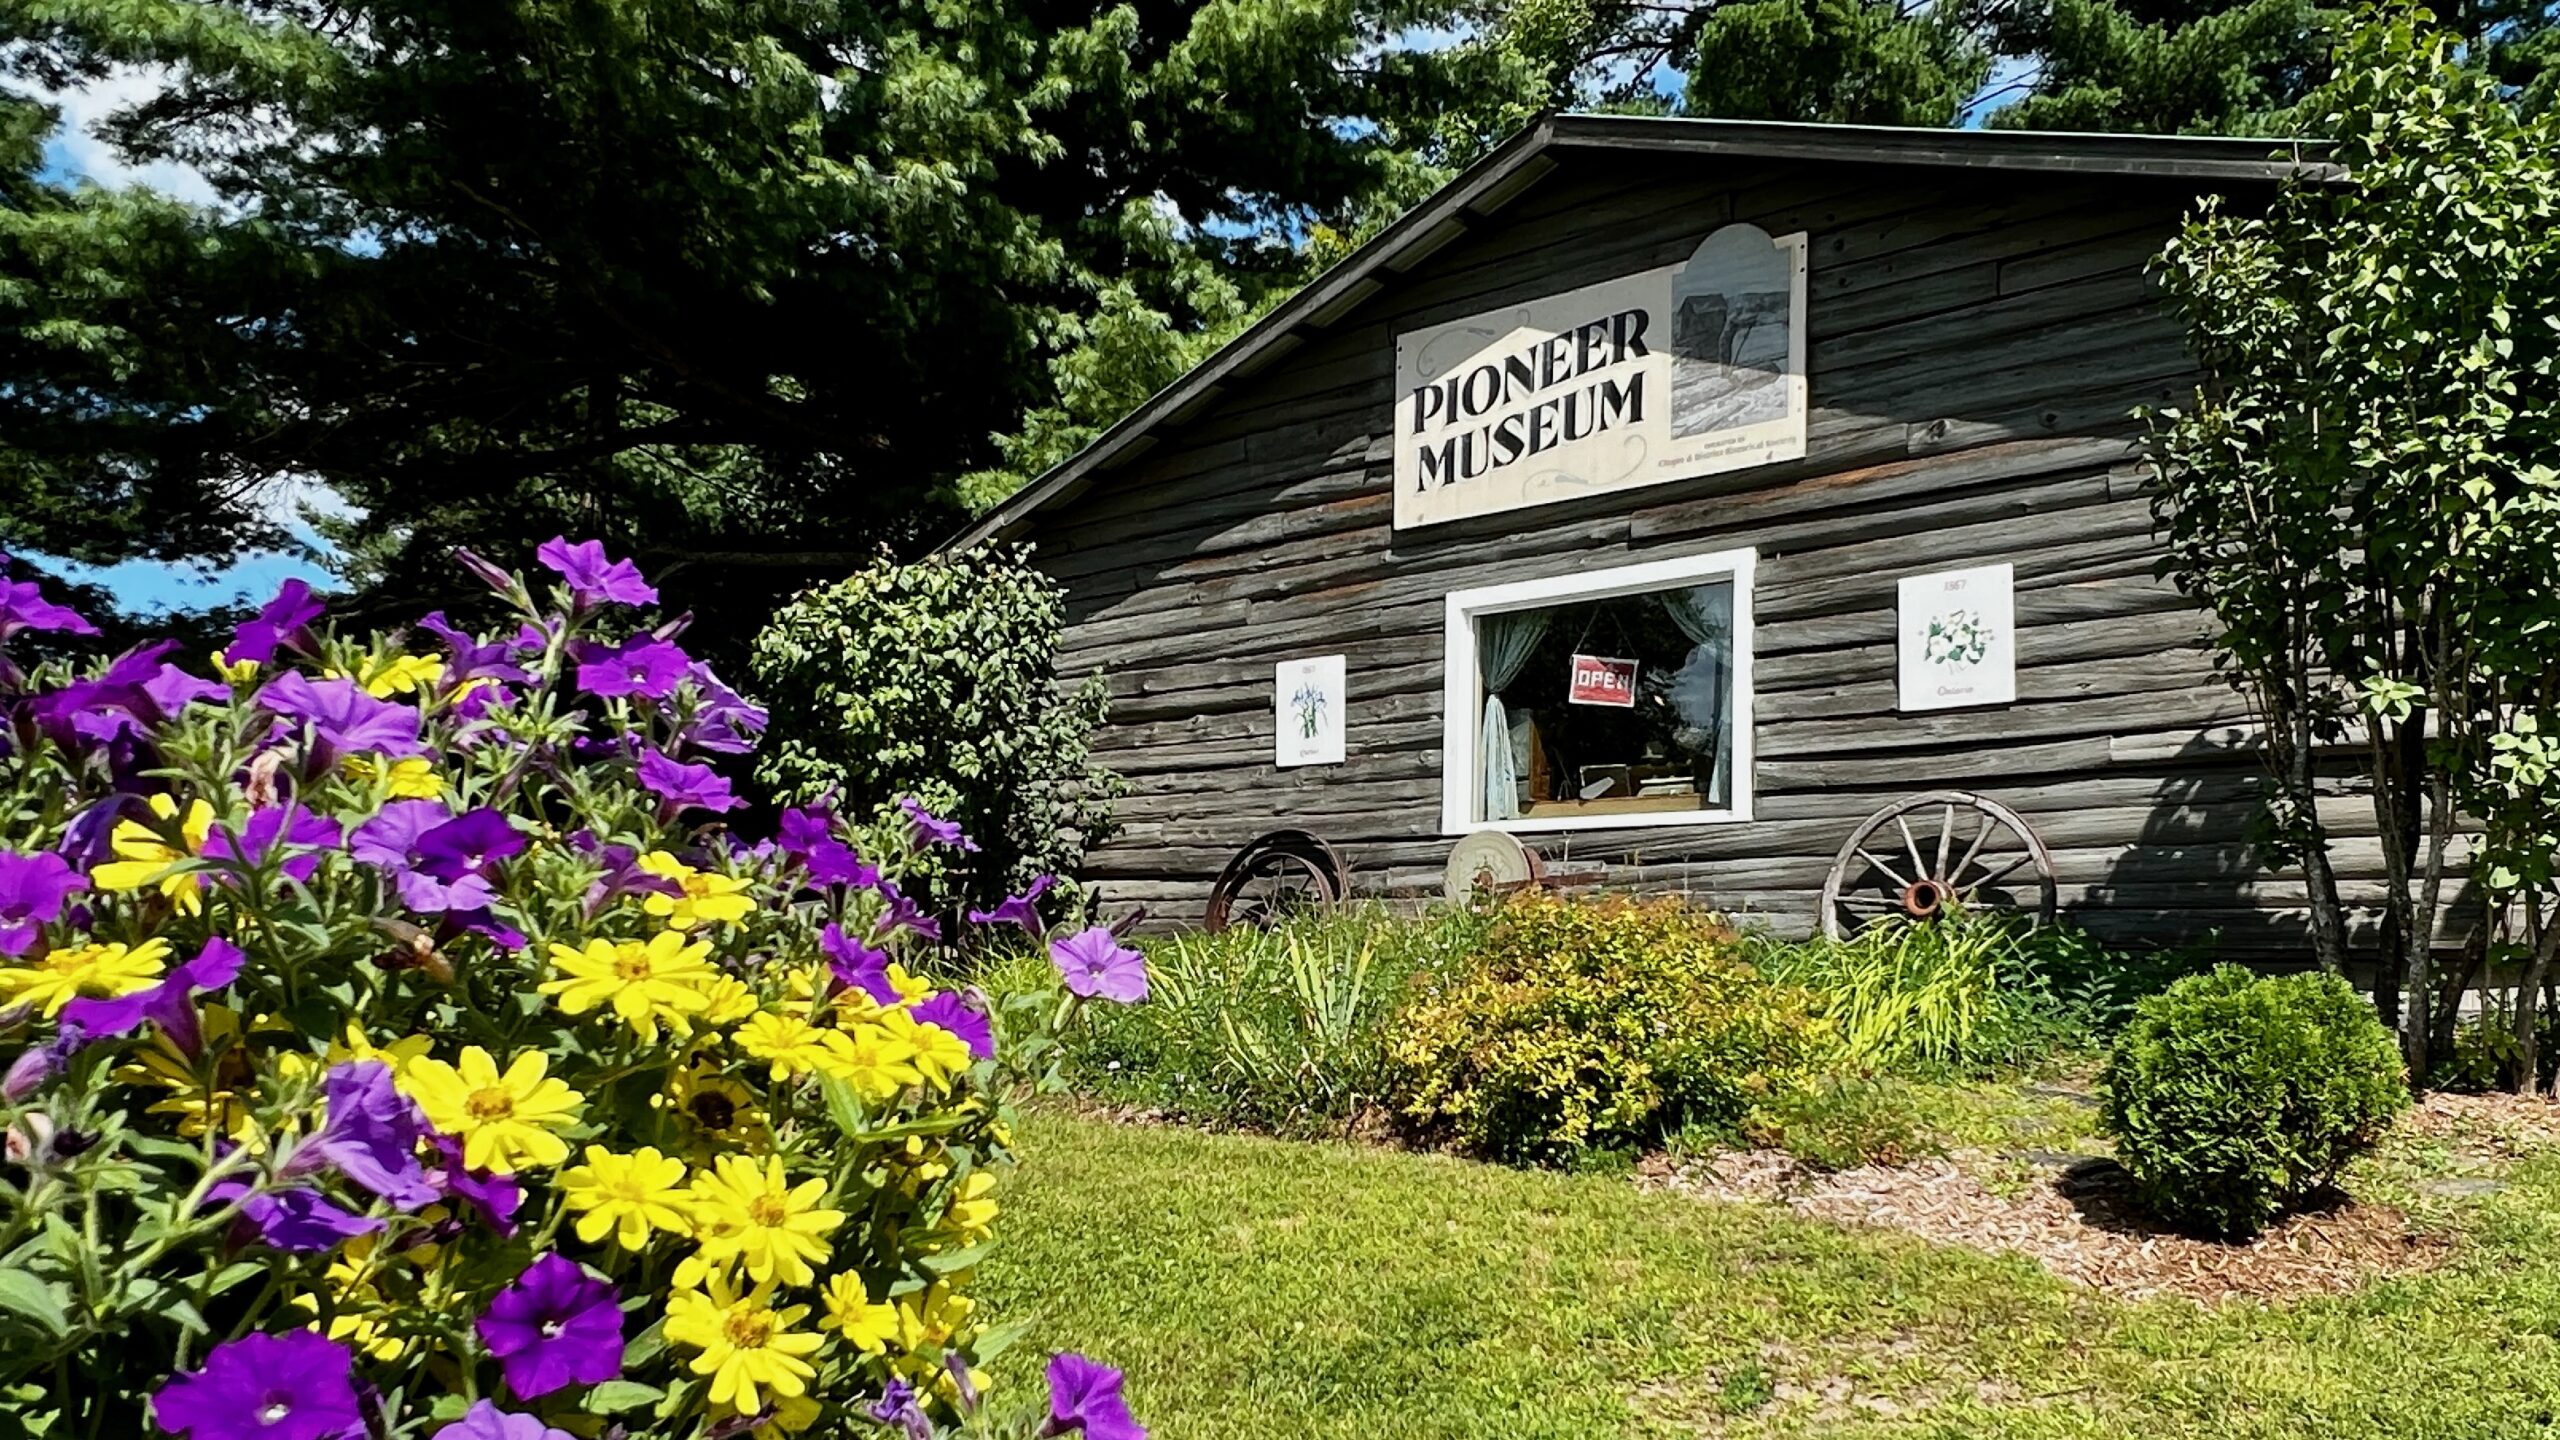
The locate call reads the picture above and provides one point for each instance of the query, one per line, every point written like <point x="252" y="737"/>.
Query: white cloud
<point x="78" y="150"/>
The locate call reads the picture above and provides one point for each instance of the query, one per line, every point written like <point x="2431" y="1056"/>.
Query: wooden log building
<point x="1603" y="472"/>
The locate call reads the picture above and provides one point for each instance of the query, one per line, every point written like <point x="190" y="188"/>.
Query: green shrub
<point x="937" y="680"/>
<point x="1583" y="1025"/>
<point x="1282" y="1030"/>
<point x="2232" y="1096"/>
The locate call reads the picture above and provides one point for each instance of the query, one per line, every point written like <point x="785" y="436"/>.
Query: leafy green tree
<point x="937" y="680"/>
<point x="2364" y="494"/>
<point x="739" y="286"/>
<point x="1858" y="62"/>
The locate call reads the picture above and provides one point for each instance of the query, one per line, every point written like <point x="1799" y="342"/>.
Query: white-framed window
<point x="1600" y="699"/>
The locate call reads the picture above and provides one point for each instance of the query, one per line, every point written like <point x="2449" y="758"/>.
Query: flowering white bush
<point x="399" y="1045"/>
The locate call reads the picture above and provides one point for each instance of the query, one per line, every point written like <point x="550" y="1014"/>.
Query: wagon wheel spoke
<point x="1996" y="876"/>
<point x="1869" y="904"/>
<point x="1946" y="839"/>
<point x="1970" y="851"/>
<point x="1919" y="867"/>
<point x="1890" y="873"/>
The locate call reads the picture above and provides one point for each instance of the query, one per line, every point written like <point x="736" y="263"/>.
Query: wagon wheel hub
<point x="1924" y="899"/>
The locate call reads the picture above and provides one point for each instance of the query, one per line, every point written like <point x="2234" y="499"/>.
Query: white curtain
<point x="1504" y="643"/>
<point x="1704" y="690"/>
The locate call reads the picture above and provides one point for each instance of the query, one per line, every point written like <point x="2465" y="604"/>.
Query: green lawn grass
<point x="1261" y="1288"/>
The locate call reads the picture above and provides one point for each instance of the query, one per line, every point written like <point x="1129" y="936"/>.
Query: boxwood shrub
<point x="2233" y="1097"/>
<point x="1584" y="1025"/>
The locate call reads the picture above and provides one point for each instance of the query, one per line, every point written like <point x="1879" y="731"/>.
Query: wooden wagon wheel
<point x="1915" y="858"/>
<point x="1278" y="875"/>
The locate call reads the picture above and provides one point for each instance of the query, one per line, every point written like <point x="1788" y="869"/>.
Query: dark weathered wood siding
<point x="1977" y="343"/>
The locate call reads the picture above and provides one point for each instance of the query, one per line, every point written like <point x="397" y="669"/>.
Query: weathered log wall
<point x="1977" y="343"/>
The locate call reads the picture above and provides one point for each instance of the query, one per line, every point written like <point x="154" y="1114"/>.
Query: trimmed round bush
<point x="1594" y="1025"/>
<point x="2233" y="1097"/>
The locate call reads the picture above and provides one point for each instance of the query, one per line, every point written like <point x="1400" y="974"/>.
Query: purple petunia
<point x="485" y="1421"/>
<point x="954" y="1013"/>
<point x="295" y="1219"/>
<point x="291" y="1386"/>
<point x="903" y="913"/>
<point x="276" y="831"/>
<point x="284" y="620"/>
<point x="897" y="1406"/>
<point x="23" y="607"/>
<point x="393" y="841"/>
<point x="1022" y="909"/>
<point x="170" y="1005"/>
<point x="343" y="718"/>
<point x="722" y="720"/>
<point x="555" y="1326"/>
<point x="808" y="834"/>
<point x="116" y="703"/>
<point x="857" y="965"/>
<point x="467" y="659"/>
<point x="494" y="1198"/>
<point x="685" y="786"/>
<point x="371" y="1136"/>
<point x="469" y="844"/>
<point x="1095" y="964"/>
<point x="932" y="829"/>
<point x="594" y="580"/>
<point x="643" y="665"/>
<point x="32" y="891"/>
<point x="1084" y="1395"/>
<point x="172" y="690"/>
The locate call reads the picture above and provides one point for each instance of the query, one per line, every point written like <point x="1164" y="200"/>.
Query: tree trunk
<point x="2544" y="937"/>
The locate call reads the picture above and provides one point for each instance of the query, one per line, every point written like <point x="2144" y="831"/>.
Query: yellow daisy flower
<point x="71" y="971"/>
<point x="789" y="1045"/>
<point x="778" y="1225"/>
<point x="412" y="779"/>
<point x="940" y="1056"/>
<point x="221" y="1105"/>
<point x="356" y="1045"/>
<point x="504" y="1121"/>
<point x="933" y="1320"/>
<point x="142" y="852"/>
<point x="874" y="1062"/>
<point x="356" y="1305"/>
<point x="971" y="1217"/>
<point x="851" y="1314"/>
<point x="748" y="1346"/>
<point x="791" y="1413"/>
<point x="726" y="1000"/>
<point x="718" y="1113"/>
<point x="234" y="673"/>
<point x="645" y="982"/>
<point x="384" y="676"/>
<point x="628" y="1196"/>
<point x="706" y="898"/>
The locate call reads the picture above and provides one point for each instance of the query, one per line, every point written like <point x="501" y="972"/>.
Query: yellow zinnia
<point x="628" y="1196"/>
<point x="851" y="1314"/>
<point x="874" y="1062"/>
<point x="384" y="676"/>
<point x="790" y="1045"/>
<point x="504" y="1121"/>
<point x="726" y="1000"/>
<point x="647" y="982"/>
<point x="719" y="1113"/>
<point x="71" y="971"/>
<point x="748" y="1346"/>
<point x="143" y="852"/>
<point x="773" y="1226"/>
<point x="706" y="898"/>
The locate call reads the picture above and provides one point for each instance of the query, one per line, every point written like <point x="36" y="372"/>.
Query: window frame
<point x="1462" y="700"/>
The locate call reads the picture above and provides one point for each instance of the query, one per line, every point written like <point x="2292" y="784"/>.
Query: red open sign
<point x="1599" y="680"/>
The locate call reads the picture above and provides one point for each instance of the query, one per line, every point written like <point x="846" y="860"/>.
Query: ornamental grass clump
<point x="1598" y="1025"/>
<point x="397" y="1044"/>
<point x="2234" y="1097"/>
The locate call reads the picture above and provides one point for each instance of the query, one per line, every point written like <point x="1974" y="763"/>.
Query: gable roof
<point x="1520" y="162"/>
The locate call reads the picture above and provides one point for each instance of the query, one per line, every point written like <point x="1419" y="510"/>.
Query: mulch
<point x="2075" y="1215"/>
